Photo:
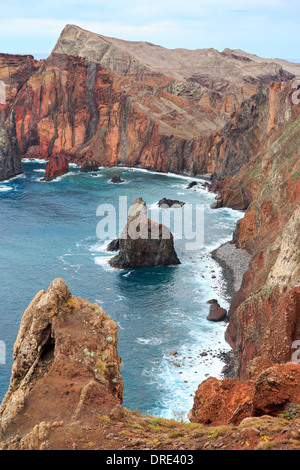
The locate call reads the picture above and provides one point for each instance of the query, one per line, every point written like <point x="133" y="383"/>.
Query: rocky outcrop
<point x="57" y="166"/>
<point x="170" y="203"/>
<point x="117" y="179"/>
<point x="144" y="242"/>
<point x="230" y="401"/>
<point x="66" y="366"/>
<point x="10" y="154"/>
<point x="217" y="402"/>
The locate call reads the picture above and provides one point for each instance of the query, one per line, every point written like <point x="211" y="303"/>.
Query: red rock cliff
<point x="119" y="102"/>
<point x="265" y="313"/>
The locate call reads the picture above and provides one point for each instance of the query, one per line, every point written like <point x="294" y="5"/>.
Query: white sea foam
<point x="179" y="376"/>
<point x="34" y="160"/>
<point x="100" y="247"/>
<point x="150" y="341"/>
<point x="22" y="175"/>
<point x="5" y="189"/>
<point x="103" y="262"/>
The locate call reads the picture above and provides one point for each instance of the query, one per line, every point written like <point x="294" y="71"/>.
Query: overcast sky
<point x="269" y="28"/>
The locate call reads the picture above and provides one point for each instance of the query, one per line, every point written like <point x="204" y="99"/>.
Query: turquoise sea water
<point x="48" y="230"/>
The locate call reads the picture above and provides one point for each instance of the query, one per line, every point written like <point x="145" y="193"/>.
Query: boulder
<point x="277" y="389"/>
<point x="219" y="402"/>
<point x="216" y="313"/>
<point x="143" y="242"/>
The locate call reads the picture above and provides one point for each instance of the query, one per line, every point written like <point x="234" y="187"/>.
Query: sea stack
<point x="143" y="242"/>
<point x="56" y="166"/>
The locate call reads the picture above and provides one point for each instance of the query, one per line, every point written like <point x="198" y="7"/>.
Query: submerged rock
<point x="144" y="242"/>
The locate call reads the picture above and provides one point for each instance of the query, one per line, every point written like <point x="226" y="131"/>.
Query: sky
<point x="268" y="28"/>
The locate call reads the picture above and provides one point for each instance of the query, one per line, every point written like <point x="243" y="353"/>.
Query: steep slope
<point x="14" y="72"/>
<point x="265" y="314"/>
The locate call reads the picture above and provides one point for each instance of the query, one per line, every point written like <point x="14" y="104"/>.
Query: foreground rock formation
<point x="143" y="242"/>
<point x="66" y="392"/>
<point x="65" y="364"/>
<point x="276" y="390"/>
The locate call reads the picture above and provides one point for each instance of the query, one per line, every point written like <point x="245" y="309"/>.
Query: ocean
<point x="49" y="230"/>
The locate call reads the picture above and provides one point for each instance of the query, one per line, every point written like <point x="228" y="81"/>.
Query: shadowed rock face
<point x="10" y="154"/>
<point x="65" y="365"/>
<point x="143" y="242"/>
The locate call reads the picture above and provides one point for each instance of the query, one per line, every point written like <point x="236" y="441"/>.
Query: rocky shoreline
<point x="234" y="263"/>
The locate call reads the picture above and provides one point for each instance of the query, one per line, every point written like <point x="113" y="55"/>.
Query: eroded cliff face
<point x="15" y="70"/>
<point x="66" y="365"/>
<point x="265" y="313"/>
<point x="136" y="104"/>
<point x="10" y="154"/>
